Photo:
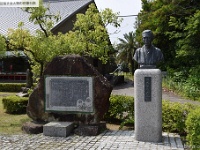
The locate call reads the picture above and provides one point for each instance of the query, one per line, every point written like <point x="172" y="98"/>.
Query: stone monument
<point x="148" y="91"/>
<point x="71" y="90"/>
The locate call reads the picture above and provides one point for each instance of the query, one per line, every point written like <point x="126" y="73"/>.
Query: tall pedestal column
<point x="148" y="105"/>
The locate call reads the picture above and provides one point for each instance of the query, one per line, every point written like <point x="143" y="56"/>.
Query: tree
<point x="37" y="47"/>
<point x="187" y="37"/>
<point x="90" y="35"/>
<point x="155" y="16"/>
<point x="168" y="20"/>
<point x="126" y="49"/>
<point x="176" y="26"/>
<point x="88" y="38"/>
<point x="2" y="44"/>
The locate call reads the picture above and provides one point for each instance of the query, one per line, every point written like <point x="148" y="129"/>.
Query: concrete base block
<point x="58" y="129"/>
<point x="148" y="105"/>
<point x="33" y="127"/>
<point x="90" y="129"/>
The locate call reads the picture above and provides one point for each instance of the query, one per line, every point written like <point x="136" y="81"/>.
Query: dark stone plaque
<point x="147" y="89"/>
<point x="69" y="94"/>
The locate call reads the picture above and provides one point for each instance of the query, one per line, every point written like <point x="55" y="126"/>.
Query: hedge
<point x="15" y="104"/>
<point x="193" y="129"/>
<point x="120" y="107"/>
<point x="11" y="87"/>
<point x="174" y="114"/>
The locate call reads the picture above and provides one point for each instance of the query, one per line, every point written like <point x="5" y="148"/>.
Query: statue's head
<point x="147" y="37"/>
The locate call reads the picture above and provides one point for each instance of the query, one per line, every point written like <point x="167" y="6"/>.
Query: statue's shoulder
<point x="157" y="49"/>
<point x="159" y="53"/>
<point x="138" y="49"/>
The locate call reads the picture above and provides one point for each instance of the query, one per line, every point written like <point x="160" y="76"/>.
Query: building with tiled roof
<point x="11" y="16"/>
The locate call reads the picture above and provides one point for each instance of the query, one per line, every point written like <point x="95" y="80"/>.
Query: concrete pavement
<point x="108" y="140"/>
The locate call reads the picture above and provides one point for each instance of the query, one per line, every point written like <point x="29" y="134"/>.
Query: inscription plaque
<point x="69" y="94"/>
<point x="147" y="89"/>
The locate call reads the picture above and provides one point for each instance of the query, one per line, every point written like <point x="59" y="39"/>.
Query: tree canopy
<point x="175" y="24"/>
<point x="89" y="36"/>
<point x="126" y="49"/>
<point x="2" y="44"/>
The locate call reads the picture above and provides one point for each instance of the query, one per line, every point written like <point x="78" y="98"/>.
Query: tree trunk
<point x="41" y="68"/>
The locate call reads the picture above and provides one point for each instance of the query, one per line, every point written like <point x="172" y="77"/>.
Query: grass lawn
<point x="10" y="123"/>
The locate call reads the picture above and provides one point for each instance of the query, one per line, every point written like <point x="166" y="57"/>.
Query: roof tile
<point x="11" y="16"/>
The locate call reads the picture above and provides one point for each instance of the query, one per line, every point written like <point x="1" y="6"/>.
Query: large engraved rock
<point x="71" y="65"/>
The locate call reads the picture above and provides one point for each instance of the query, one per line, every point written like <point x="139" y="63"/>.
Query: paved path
<point x="128" y="89"/>
<point x="108" y="140"/>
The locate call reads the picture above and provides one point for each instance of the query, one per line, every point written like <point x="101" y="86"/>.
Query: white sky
<point x="124" y="7"/>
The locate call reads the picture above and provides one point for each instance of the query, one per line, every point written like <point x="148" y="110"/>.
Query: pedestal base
<point x="90" y="129"/>
<point x="148" y="105"/>
<point x="58" y="129"/>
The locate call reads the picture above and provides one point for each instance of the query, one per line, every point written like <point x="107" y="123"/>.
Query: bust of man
<point x="148" y="56"/>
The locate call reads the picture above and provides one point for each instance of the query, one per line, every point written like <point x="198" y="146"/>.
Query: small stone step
<point x="58" y="129"/>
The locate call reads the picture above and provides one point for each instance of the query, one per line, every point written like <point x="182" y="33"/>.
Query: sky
<point x="125" y="8"/>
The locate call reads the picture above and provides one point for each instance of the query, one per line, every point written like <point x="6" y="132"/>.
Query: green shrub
<point x="11" y="87"/>
<point x="191" y="90"/>
<point x="174" y="115"/>
<point x="185" y="82"/>
<point x="15" y="104"/>
<point x="193" y="129"/>
<point x="121" y="110"/>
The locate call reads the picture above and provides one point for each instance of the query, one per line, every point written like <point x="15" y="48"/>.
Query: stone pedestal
<point x="58" y="129"/>
<point x="90" y="129"/>
<point x="33" y="127"/>
<point x="148" y="105"/>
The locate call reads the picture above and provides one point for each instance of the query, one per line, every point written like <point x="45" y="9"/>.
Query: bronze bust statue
<point x="148" y="56"/>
